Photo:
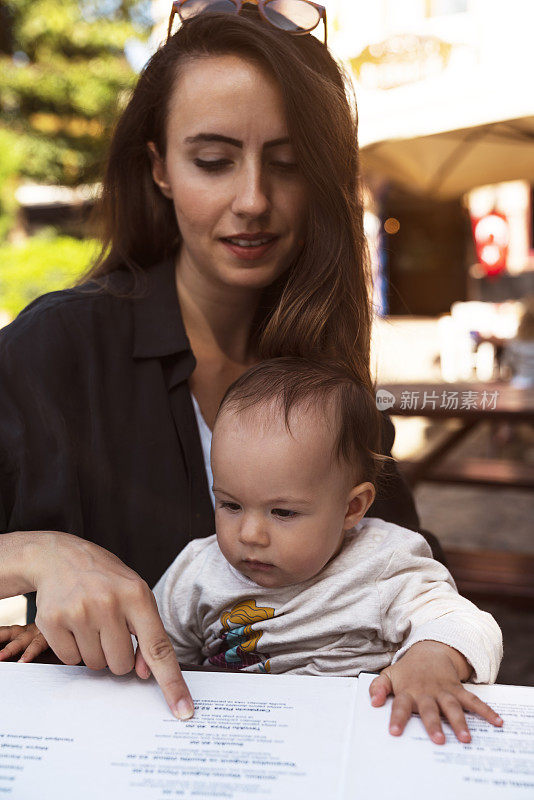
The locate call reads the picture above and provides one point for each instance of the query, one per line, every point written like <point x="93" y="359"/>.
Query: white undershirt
<point x="205" y="441"/>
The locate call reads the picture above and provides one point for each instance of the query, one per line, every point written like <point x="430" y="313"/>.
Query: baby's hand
<point x="25" y="639"/>
<point x="427" y="680"/>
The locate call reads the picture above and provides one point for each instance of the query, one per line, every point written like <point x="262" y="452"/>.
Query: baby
<point x="298" y="580"/>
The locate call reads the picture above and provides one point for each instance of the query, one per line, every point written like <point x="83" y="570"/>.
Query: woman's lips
<point x="249" y="253"/>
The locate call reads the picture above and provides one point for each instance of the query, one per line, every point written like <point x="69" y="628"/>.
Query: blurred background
<point x="446" y="130"/>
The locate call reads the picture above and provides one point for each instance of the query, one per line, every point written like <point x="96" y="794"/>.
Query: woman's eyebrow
<point x="218" y="137"/>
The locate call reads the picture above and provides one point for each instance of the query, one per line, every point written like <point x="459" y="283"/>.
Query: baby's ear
<point x="360" y="499"/>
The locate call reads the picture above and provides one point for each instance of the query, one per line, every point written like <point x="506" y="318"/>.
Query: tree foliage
<point x="10" y="166"/>
<point x="63" y="76"/>
<point x="42" y="264"/>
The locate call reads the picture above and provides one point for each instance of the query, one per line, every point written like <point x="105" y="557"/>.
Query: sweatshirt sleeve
<point x="419" y="601"/>
<point x="177" y="598"/>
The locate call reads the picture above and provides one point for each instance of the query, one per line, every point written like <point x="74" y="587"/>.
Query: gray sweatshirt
<point x="382" y="593"/>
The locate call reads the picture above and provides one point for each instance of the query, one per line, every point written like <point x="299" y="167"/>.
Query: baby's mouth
<point x="259" y="565"/>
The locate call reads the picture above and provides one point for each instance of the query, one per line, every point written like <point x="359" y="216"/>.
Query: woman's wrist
<point x="22" y="554"/>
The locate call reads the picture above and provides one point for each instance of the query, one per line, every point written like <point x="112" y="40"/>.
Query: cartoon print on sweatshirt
<point x="239" y="639"/>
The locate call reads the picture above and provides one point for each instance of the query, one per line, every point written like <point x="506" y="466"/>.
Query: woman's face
<point x="230" y="171"/>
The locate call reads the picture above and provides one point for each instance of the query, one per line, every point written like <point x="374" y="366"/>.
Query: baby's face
<point x="283" y="502"/>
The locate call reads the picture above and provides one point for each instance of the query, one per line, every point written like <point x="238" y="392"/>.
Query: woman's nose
<point x="251" y="192"/>
<point x="253" y="532"/>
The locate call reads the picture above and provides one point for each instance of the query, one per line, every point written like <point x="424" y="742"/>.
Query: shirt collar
<point x="159" y="328"/>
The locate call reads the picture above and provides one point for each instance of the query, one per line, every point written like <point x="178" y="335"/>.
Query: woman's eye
<point x="285" y="166"/>
<point x="283" y="512"/>
<point x="211" y="166"/>
<point x="222" y="163"/>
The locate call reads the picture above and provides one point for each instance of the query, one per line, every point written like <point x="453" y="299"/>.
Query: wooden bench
<point x="495" y="574"/>
<point x="501" y="473"/>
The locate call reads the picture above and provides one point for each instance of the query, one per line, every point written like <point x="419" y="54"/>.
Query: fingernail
<point x="438" y="738"/>
<point x="466" y="736"/>
<point x="184" y="709"/>
<point x="498" y="719"/>
<point x="395" y="730"/>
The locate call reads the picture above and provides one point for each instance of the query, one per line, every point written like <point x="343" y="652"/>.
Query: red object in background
<point x="492" y="235"/>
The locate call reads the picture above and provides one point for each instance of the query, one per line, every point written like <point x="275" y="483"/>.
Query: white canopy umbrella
<point x="444" y="138"/>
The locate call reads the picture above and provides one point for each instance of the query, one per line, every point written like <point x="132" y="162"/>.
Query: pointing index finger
<point x="160" y="658"/>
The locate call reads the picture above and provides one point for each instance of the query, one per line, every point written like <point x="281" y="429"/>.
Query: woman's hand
<point x="25" y="639"/>
<point x="427" y="680"/>
<point x="88" y="605"/>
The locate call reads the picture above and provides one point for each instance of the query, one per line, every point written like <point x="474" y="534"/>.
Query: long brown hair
<point x="320" y="308"/>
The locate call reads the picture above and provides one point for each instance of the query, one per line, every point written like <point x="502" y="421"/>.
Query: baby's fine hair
<point x="294" y="382"/>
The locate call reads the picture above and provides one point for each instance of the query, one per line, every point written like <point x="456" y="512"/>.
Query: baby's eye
<point x="230" y="506"/>
<point x="283" y="512"/>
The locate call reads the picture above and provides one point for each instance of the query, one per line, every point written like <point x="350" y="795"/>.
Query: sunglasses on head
<point x="294" y="16"/>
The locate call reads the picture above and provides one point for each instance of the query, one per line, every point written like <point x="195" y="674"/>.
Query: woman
<point x="233" y="231"/>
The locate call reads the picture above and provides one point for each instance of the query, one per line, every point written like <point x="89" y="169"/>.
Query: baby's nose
<point x="254" y="531"/>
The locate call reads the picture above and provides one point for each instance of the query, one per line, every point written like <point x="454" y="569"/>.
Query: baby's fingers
<point x="473" y="703"/>
<point x="401" y="711"/>
<point x="380" y="688"/>
<point x="37" y="646"/>
<point x="10" y="650"/>
<point x="430" y="717"/>
<point x="26" y="639"/>
<point x="17" y="638"/>
<point x="453" y="711"/>
<point x="10" y="632"/>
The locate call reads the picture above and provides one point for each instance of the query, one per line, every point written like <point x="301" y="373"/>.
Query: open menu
<point x="68" y="732"/>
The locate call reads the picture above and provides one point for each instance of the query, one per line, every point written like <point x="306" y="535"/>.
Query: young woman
<point x="232" y="233"/>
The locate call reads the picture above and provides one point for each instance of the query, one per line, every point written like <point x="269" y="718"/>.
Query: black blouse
<point x="98" y="436"/>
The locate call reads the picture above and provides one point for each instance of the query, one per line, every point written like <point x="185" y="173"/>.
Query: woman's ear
<point x="360" y="499"/>
<point x="159" y="170"/>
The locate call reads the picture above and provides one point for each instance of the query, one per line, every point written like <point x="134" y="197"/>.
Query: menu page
<point x="68" y="732"/>
<point x="498" y="763"/>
